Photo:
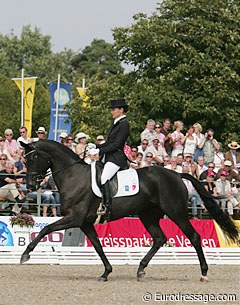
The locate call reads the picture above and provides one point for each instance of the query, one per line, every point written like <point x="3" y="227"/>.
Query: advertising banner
<point x="130" y="232"/>
<point x="62" y="120"/>
<point x="126" y="232"/>
<point x="7" y="233"/>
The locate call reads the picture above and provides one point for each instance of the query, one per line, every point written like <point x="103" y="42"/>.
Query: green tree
<point x="187" y="53"/>
<point x="100" y="58"/>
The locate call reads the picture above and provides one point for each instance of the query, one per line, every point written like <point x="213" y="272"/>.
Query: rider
<point x="112" y="149"/>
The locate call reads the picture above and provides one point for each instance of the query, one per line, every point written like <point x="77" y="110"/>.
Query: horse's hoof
<point x="140" y="276"/>
<point x="102" y="279"/>
<point x="204" y="279"/>
<point x="24" y="258"/>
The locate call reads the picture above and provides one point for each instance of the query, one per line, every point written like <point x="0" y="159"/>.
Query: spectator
<point x="165" y="130"/>
<point x="210" y="168"/>
<point x="149" y="133"/>
<point x="19" y="166"/>
<point x="2" y="140"/>
<point x="193" y="196"/>
<point x="23" y="136"/>
<point x="209" y="144"/>
<point x="138" y="162"/>
<point x="9" y="186"/>
<point x="46" y="188"/>
<point x="188" y="159"/>
<point x="218" y="158"/>
<point x="194" y="170"/>
<point x="209" y="184"/>
<point x="223" y="188"/>
<point x="41" y="134"/>
<point x="143" y="148"/>
<point x="190" y="142"/>
<point x="201" y="166"/>
<point x="180" y="159"/>
<point x="11" y="147"/>
<point x="127" y="150"/>
<point x="133" y="155"/>
<point x="166" y="160"/>
<point x="198" y="136"/>
<point x="177" y="138"/>
<point x="232" y="174"/>
<point x="233" y="155"/>
<point x="160" y="135"/>
<point x="71" y="143"/>
<point x="3" y="161"/>
<point x="157" y="151"/>
<point x="149" y="160"/>
<point x="81" y="139"/>
<point x="174" y="166"/>
<point x="63" y="135"/>
<point x="100" y="139"/>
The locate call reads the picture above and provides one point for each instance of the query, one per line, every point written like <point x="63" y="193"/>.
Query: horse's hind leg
<point x="150" y="220"/>
<point x="62" y="224"/>
<point x="185" y="225"/>
<point x="90" y="232"/>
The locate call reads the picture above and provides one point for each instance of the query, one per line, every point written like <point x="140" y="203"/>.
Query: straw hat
<point x="233" y="145"/>
<point x="41" y="129"/>
<point x="81" y="135"/>
<point x="63" y="135"/>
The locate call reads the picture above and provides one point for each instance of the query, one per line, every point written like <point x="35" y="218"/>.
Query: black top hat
<point x="118" y="103"/>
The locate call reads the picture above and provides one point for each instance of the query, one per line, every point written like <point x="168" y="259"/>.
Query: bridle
<point x="39" y="177"/>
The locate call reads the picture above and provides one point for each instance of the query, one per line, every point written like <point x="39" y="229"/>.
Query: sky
<point x="72" y="24"/>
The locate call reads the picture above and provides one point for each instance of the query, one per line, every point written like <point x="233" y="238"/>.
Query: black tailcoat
<point x="113" y="148"/>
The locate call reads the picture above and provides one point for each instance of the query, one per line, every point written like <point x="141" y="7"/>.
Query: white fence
<point x="119" y="256"/>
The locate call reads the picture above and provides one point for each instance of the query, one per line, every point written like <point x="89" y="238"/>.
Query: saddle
<point x="123" y="183"/>
<point x="113" y="183"/>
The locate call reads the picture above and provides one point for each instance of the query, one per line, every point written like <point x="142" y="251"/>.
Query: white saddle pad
<point x="128" y="182"/>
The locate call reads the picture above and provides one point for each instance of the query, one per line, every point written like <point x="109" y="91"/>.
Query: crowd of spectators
<point x="164" y="145"/>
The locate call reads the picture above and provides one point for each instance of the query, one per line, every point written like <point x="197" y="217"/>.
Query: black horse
<point x="162" y="192"/>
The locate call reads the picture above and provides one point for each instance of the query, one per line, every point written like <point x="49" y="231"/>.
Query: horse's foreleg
<point x="150" y="220"/>
<point x="90" y="232"/>
<point x="62" y="224"/>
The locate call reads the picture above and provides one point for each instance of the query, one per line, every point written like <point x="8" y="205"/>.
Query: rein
<point x="55" y="172"/>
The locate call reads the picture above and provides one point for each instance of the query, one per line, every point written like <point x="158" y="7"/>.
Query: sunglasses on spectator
<point x="22" y="131"/>
<point x="144" y="143"/>
<point x="70" y="139"/>
<point x="1" y="140"/>
<point x="40" y="132"/>
<point x="210" y="166"/>
<point x="3" y="159"/>
<point x="149" y="156"/>
<point x="8" y="135"/>
<point x="157" y="127"/>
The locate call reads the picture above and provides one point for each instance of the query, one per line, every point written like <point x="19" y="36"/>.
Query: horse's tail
<point x="222" y="218"/>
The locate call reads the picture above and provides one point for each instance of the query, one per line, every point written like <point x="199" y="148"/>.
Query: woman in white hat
<point x="81" y="139"/>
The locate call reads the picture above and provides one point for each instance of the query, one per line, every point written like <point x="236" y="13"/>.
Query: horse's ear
<point x="27" y="147"/>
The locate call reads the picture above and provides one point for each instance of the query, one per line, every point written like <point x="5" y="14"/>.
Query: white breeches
<point x="109" y="171"/>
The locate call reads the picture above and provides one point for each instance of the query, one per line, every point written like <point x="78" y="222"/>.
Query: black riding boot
<point x="107" y="200"/>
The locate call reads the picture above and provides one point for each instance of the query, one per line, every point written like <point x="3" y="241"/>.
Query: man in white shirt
<point x="201" y="166"/>
<point x="23" y="136"/>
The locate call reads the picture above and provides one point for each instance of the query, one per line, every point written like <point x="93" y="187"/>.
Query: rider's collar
<point x="118" y="119"/>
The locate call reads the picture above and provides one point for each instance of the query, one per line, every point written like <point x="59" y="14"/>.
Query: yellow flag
<point x="82" y="93"/>
<point x="29" y="90"/>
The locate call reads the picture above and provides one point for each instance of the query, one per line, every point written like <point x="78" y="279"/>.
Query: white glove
<point x="91" y="146"/>
<point x="93" y="151"/>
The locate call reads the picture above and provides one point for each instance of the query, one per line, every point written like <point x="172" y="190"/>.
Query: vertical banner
<point x="29" y="90"/>
<point x="64" y="123"/>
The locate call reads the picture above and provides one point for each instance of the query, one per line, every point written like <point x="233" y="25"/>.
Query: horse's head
<point x="37" y="164"/>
